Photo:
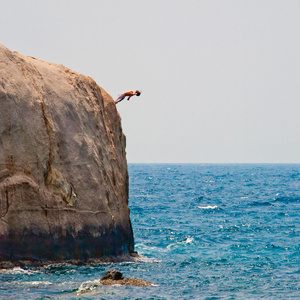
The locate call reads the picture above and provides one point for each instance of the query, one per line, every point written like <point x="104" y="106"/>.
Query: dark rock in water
<point x="113" y="275"/>
<point x="63" y="169"/>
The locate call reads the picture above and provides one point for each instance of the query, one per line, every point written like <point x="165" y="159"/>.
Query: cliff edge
<point x="63" y="169"/>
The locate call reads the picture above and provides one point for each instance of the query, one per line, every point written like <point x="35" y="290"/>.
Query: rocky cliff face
<point x="63" y="169"/>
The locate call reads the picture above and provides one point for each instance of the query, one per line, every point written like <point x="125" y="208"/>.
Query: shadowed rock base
<point x="38" y="249"/>
<point x="6" y="265"/>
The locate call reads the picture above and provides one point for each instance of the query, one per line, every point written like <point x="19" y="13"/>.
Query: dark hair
<point x="138" y="92"/>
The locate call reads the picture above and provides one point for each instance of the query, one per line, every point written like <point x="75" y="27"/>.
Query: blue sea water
<point x="203" y="232"/>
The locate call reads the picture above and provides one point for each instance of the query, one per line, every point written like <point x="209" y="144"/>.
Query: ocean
<point x="203" y="231"/>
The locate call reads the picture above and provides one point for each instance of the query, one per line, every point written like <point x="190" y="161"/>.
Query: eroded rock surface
<point x="114" y="277"/>
<point x="63" y="169"/>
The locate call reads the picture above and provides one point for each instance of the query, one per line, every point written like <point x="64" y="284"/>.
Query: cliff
<point x="63" y="169"/>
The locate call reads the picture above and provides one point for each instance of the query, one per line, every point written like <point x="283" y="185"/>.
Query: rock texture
<point x="114" y="277"/>
<point x="63" y="169"/>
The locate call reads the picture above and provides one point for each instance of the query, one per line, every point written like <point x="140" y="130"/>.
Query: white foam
<point x="29" y="284"/>
<point x="208" y="207"/>
<point x="88" y="286"/>
<point x="18" y="270"/>
<point x="144" y="248"/>
<point x="189" y="240"/>
<point x="170" y="246"/>
<point x="145" y="259"/>
<point x="37" y="282"/>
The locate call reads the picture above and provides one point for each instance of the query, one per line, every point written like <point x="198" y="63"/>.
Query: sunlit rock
<point x="63" y="169"/>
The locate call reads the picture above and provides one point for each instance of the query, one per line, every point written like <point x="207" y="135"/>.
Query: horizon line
<point x="219" y="163"/>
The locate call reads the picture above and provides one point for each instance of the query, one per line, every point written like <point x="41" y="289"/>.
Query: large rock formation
<point x="63" y="169"/>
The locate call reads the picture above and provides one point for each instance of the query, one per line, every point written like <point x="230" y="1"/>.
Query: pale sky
<point x="219" y="78"/>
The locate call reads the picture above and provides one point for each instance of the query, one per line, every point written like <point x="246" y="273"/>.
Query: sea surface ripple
<point x="204" y="231"/>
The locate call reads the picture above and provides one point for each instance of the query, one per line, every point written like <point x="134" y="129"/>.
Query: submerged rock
<point x="63" y="169"/>
<point x="113" y="277"/>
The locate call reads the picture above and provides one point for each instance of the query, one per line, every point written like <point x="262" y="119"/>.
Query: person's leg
<point x="120" y="98"/>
